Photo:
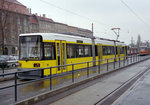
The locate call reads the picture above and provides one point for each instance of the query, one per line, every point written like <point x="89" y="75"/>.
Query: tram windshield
<point x="30" y="48"/>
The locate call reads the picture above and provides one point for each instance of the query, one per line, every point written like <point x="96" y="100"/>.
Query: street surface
<point x="36" y="88"/>
<point x="137" y="95"/>
<point x="96" y="92"/>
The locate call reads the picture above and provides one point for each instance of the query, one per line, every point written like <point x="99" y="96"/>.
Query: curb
<point x="52" y="93"/>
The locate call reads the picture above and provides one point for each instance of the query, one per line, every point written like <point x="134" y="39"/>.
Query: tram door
<point x="100" y="52"/>
<point x="61" y="55"/>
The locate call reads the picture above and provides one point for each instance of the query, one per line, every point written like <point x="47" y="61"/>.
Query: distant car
<point x="3" y="62"/>
<point x="11" y="61"/>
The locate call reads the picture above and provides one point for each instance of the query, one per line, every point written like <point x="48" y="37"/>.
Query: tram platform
<point x="103" y="88"/>
<point x="97" y="85"/>
<point x="138" y="94"/>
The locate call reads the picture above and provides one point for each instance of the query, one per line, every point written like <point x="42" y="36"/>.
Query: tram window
<point x="80" y="51"/>
<point x="87" y="50"/>
<point x="121" y="50"/>
<point x="71" y="51"/>
<point x="112" y="50"/>
<point x="49" y="51"/>
<point x="68" y="51"/>
<point x="116" y="50"/>
<point x="105" y="50"/>
<point x="76" y="50"/>
<point x="96" y="51"/>
<point x="108" y="50"/>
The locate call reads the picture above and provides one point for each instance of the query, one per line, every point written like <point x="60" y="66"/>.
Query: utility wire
<point x="137" y="16"/>
<point x="101" y="23"/>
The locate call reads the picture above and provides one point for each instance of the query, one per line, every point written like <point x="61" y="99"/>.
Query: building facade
<point x="14" y="19"/>
<point x="47" y="25"/>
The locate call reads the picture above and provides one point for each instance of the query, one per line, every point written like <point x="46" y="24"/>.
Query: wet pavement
<point x="32" y="89"/>
<point x="137" y="95"/>
<point x="92" y="94"/>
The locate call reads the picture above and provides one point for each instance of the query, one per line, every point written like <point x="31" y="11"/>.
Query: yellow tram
<point x="42" y="50"/>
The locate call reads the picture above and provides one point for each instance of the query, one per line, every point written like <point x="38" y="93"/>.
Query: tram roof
<point x="67" y="37"/>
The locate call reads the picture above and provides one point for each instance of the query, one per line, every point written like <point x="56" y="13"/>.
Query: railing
<point x="7" y="66"/>
<point x="121" y="62"/>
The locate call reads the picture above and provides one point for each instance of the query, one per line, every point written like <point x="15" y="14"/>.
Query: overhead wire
<point x="75" y="13"/>
<point x="135" y="14"/>
<point x="68" y="11"/>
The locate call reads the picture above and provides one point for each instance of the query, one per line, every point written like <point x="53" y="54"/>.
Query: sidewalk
<point x="137" y="94"/>
<point x="94" y="93"/>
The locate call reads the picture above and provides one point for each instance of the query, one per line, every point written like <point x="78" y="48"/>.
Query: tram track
<point x="114" y="95"/>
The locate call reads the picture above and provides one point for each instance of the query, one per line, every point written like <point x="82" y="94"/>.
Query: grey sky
<point x="105" y="14"/>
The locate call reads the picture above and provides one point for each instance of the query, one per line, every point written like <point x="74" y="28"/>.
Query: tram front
<point x="30" y="55"/>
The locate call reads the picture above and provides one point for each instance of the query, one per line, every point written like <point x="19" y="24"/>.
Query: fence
<point x="109" y="65"/>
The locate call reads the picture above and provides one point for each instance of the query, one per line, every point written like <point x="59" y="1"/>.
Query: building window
<point x="5" y="51"/>
<point x="13" y="50"/>
<point x="19" y="32"/>
<point x="18" y="20"/>
<point x="25" y="22"/>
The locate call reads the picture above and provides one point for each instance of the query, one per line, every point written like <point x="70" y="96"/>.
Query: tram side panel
<point x="78" y="53"/>
<point x="108" y="53"/>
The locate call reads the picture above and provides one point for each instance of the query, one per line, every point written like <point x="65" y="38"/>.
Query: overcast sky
<point x="131" y="16"/>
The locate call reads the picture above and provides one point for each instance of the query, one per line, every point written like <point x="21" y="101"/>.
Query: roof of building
<point x="33" y="19"/>
<point x="45" y="19"/>
<point x="15" y="2"/>
<point x="15" y="6"/>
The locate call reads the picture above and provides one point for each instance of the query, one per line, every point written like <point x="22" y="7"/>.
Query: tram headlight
<point x="36" y="64"/>
<point x="20" y="64"/>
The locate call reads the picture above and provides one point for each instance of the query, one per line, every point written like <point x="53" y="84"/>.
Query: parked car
<point x="3" y="62"/>
<point x="10" y="61"/>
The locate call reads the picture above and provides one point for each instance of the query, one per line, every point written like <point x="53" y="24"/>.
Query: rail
<point x="124" y="60"/>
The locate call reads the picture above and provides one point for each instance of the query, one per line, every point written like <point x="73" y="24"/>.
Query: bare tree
<point x="4" y="22"/>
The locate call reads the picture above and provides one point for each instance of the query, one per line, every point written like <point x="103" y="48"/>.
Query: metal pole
<point x="3" y="68"/>
<point x="72" y="72"/>
<point x="15" y="86"/>
<point x="114" y="62"/>
<point x="50" y="78"/>
<point x="99" y="69"/>
<point x="119" y="61"/>
<point x="93" y="46"/>
<point x="124" y="61"/>
<point x="127" y="60"/>
<point x="87" y="69"/>
<point x="107" y="65"/>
